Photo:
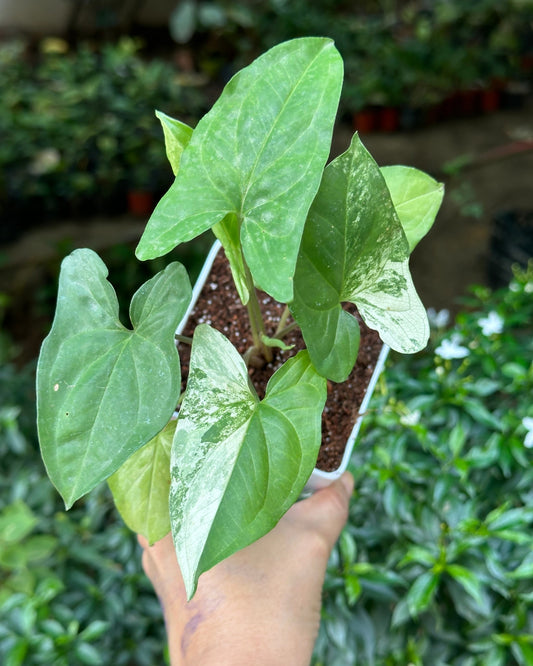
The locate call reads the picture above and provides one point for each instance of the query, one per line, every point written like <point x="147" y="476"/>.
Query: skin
<point x="262" y="604"/>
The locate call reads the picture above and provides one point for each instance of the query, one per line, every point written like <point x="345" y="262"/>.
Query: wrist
<point x="223" y="637"/>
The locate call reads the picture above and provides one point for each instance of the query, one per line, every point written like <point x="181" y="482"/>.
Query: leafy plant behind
<point x="78" y="128"/>
<point x="72" y="589"/>
<point x="312" y="237"/>
<point x="435" y="565"/>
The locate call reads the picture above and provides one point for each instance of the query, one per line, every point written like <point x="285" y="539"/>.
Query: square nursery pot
<point x="214" y="281"/>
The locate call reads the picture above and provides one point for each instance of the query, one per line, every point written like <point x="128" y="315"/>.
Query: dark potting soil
<point x="219" y="306"/>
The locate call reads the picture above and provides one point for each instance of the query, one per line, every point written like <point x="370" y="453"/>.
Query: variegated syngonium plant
<point x="310" y="235"/>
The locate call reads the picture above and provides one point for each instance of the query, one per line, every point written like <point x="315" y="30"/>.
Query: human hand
<point x="262" y="604"/>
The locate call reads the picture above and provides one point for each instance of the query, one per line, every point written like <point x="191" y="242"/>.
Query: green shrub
<point x="72" y="590"/>
<point x="396" y="53"/>
<point x="78" y="127"/>
<point x="436" y="563"/>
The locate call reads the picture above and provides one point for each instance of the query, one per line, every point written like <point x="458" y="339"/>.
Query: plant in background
<point x="72" y="590"/>
<point x="77" y="125"/>
<point x="310" y="236"/>
<point x="435" y="565"/>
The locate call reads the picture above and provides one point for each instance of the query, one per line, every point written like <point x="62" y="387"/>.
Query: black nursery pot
<point x="511" y="242"/>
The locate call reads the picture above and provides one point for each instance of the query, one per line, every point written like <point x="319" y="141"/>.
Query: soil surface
<point x="219" y="306"/>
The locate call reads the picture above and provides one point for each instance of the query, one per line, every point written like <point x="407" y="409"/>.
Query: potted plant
<point x="308" y="235"/>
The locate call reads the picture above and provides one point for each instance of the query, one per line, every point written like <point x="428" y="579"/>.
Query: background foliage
<point x="410" y="52"/>
<point x="72" y="590"/>
<point x="436" y="563"/>
<point x="78" y="128"/>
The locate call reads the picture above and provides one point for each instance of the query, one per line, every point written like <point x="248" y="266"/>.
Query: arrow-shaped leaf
<point x="258" y="154"/>
<point x="140" y="487"/>
<point x="417" y="198"/>
<point x="354" y="249"/>
<point x="104" y="390"/>
<point x="237" y="463"/>
<point x="177" y="136"/>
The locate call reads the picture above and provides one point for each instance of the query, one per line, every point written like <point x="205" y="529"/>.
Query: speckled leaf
<point x="354" y="249"/>
<point x="417" y="198"/>
<point x="177" y="137"/>
<point x="258" y="154"/>
<point x="237" y="463"/>
<point x="104" y="390"/>
<point x="140" y="487"/>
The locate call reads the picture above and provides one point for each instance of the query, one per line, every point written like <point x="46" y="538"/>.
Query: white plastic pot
<point x="318" y="479"/>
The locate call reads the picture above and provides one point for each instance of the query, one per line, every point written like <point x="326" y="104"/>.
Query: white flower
<point x="529" y="288"/>
<point x="491" y="324"/>
<point x="449" y="349"/>
<point x="438" y="319"/>
<point x="527" y="422"/>
<point x="411" y="418"/>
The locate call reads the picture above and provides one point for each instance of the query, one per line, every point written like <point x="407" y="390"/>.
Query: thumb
<point x="326" y="511"/>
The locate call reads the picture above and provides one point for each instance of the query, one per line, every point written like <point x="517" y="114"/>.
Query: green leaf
<point x="419" y="555"/>
<point x="348" y="548"/>
<point x="480" y="414"/>
<point x="16" y="654"/>
<point x="237" y="463"/>
<point x="483" y="386"/>
<point x="140" y="487"/>
<point x="87" y="654"/>
<point x="518" y="517"/>
<point x="177" y="136"/>
<point x="468" y="580"/>
<point x="457" y="438"/>
<point x="30" y="551"/>
<point x="421" y="593"/>
<point x="353" y="588"/>
<point x="417" y="198"/>
<point x="523" y="652"/>
<point x="94" y="630"/>
<point x="16" y="521"/>
<point x="354" y="249"/>
<point x="104" y="390"/>
<point x="525" y="570"/>
<point x="258" y="154"/>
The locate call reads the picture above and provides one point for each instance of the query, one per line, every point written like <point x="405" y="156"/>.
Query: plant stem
<point x="285" y="331"/>
<point x="282" y="329"/>
<point x="184" y="339"/>
<point x="257" y="325"/>
<point x="282" y="321"/>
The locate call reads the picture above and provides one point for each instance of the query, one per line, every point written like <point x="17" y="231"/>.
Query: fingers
<point x="325" y="513"/>
<point x="330" y="507"/>
<point x="159" y="557"/>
